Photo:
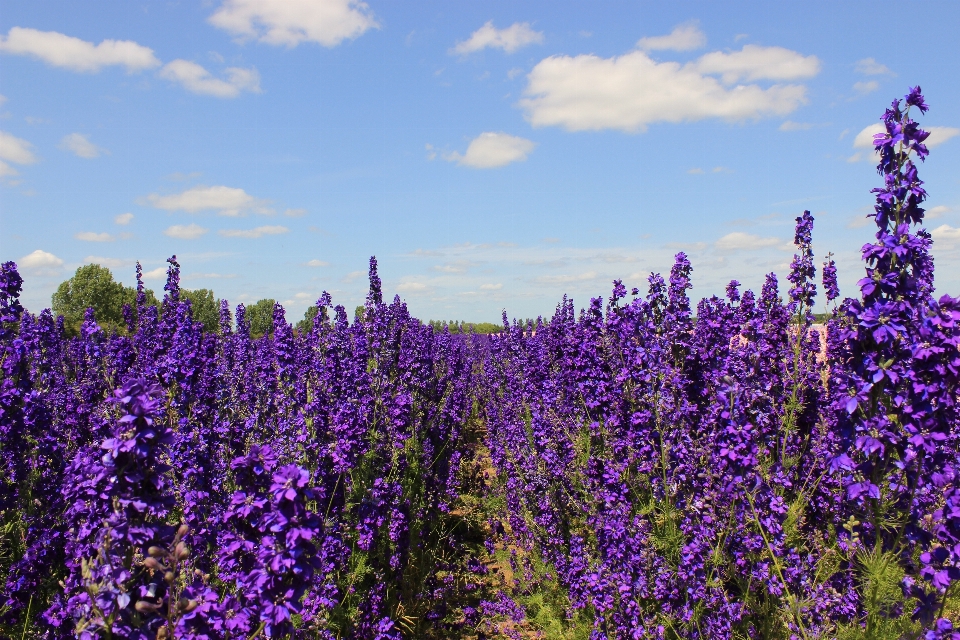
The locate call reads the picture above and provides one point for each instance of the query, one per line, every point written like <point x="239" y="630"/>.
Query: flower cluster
<point x="175" y="482"/>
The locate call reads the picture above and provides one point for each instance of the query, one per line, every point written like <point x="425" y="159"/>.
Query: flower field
<point x="645" y="468"/>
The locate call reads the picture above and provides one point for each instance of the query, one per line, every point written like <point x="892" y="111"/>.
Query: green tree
<point x="305" y="325"/>
<point x="260" y="317"/>
<point x="205" y="307"/>
<point x="93" y="286"/>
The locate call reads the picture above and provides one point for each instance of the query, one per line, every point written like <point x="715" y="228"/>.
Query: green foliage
<point x="260" y="317"/>
<point x="454" y="326"/>
<point x="311" y="313"/>
<point x="93" y="286"/>
<point x="880" y="575"/>
<point x="205" y="307"/>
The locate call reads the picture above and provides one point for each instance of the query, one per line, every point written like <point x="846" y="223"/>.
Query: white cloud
<point x="253" y="233"/>
<point x="41" y="262"/>
<point x="353" y="275"/>
<point x="629" y="92"/>
<point x="196" y="79"/>
<point x="740" y="241"/>
<point x="939" y="135"/>
<point x="317" y="263"/>
<point x="864" y="139"/>
<point x="155" y="274"/>
<point x="870" y="67"/>
<point x="123" y="218"/>
<point x="295" y="213"/>
<point x="489" y="150"/>
<point x="288" y="23"/>
<point x="855" y="157"/>
<point x="3" y="100"/>
<point x="60" y="50"/>
<point x="229" y="201"/>
<point x="685" y="37"/>
<point x="695" y="171"/>
<point x="80" y="146"/>
<point x="945" y="232"/>
<point x="513" y="73"/>
<point x="754" y="62"/>
<point x="516" y="36"/>
<point x="185" y="232"/>
<point x="92" y="236"/>
<point x="111" y="263"/>
<point x="937" y="211"/>
<point x="15" y="150"/>
<point x="863" y="88"/>
<point x="411" y="287"/>
<point x="491" y="287"/>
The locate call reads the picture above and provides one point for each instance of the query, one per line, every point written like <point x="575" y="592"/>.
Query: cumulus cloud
<point x="155" y="274"/>
<point x="41" y="262"/>
<point x="288" y="23"/>
<point x="490" y="150"/>
<point x="80" y="146"/>
<point x="945" y="232"/>
<point x="123" y="218"/>
<point x="491" y="287"/>
<point x="863" y="88"/>
<point x="754" y="62"/>
<point x="870" y="67"/>
<point x="864" y="139"/>
<point x="628" y="92"/>
<point x="185" y="232"/>
<point x="253" y="233"/>
<point x="111" y="263"/>
<point x="938" y="135"/>
<point x="937" y="211"/>
<point x="59" y="50"/>
<point x="411" y="287"/>
<point x="516" y="36"/>
<point x="196" y="79"/>
<point x="740" y="241"/>
<point x="295" y="213"/>
<point x="92" y="236"/>
<point x="317" y="263"/>
<point x="228" y="201"/>
<point x="684" y="37"/>
<point x="15" y="150"/>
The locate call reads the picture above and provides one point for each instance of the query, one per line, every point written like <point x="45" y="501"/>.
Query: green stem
<point x="26" y="618"/>
<point x="776" y="565"/>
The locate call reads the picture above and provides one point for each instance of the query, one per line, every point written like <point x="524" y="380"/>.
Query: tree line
<point x="93" y="286"/>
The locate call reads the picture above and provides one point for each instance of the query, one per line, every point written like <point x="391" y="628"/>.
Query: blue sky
<point x="492" y="155"/>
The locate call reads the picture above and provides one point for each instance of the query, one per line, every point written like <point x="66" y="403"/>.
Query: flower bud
<point x="154" y="564"/>
<point x="157" y="552"/>
<point x="168" y="576"/>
